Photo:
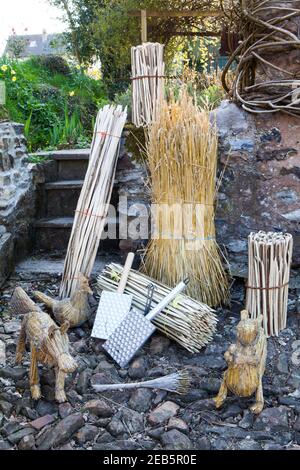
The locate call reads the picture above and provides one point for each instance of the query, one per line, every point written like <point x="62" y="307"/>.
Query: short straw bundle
<point x="93" y="203"/>
<point x="148" y="77"/>
<point x="182" y="159"/>
<point x="270" y="256"/>
<point x="186" y="321"/>
<point x="179" y="382"/>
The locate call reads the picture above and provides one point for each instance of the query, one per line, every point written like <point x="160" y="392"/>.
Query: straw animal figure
<point x="182" y="158"/>
<point x="75" y="309"/>
<point x="246" y="363"/>
<point x="49" y="344"/>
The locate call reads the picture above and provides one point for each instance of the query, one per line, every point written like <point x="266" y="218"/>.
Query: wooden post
<point x="144" y="25"/>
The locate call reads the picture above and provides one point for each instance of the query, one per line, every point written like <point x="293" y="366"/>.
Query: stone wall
<point x="261" y="184"/>
<point x="17" y="197"/>
<point x="134" y="197"/>
<point x="260" y="162"/>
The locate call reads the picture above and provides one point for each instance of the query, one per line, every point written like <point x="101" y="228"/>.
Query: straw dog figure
<point x="246" y="363"/>
<point x="49" y="344"/>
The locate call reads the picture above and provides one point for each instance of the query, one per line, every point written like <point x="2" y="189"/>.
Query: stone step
<point x="71" y="164"/>
<point x="39" y="268"/>
<point x="53" y="234"/>
<point x="61" y="197"/>
<point x="64" y="184"/>
<point x="73" y="154"/>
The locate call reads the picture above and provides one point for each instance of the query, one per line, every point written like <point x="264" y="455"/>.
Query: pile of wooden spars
<point x="188" y="322"/>
<point x="270" y="257"/>
<point x="148" y="78"/>
<point x="93" y="204"/>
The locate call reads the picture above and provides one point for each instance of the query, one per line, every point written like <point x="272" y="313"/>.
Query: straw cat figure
<point x="75" y="309"/>
<point x="246" y="363"/>
<point x="49" y="344"/>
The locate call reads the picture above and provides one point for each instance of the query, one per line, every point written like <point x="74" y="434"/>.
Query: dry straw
<point x="148" y="70"/>
<point x="182" y="158"/>
<point x="93" y="203"/>
<point x="187" y="321"/>
<point x="270" y="256"/>
<point x="178" y="382"/>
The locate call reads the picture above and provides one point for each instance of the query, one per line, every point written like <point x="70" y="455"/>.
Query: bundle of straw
<point x="148" y="73"/>
<point x="186" y="321"/>
<point x="179" y="382"/>
<point x="269" y="262"/>
<point x="182" y="158"/>
<point x="93" y="203"/>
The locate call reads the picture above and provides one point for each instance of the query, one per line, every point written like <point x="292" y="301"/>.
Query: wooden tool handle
<point x="125" y="273"/>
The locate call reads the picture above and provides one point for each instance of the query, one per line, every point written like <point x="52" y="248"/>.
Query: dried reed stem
<point x="179" y="382"/>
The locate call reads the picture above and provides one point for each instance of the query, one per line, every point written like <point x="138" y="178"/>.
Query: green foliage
<point x="124" y="99"/>
<point x="37" y="159"/>
<point x="54" y="64"/>
<point x="16" y="46"/>
<point x="104" y="29"/>
<point x="68" y="133"/>
<point x="39" y="98"/>
<point x="205" y="88"/>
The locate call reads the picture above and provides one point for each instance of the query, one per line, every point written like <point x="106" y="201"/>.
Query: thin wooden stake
<point x="144" y="25"/>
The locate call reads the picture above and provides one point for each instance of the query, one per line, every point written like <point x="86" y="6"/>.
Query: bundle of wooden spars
<point x="93" y="204"/>
<point x="270" y="256"/>
<point x="182" y="159"/>
<point x="148" y="78"/>
<point x="185" y="320"/>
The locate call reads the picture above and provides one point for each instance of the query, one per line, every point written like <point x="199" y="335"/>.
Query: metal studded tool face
<point x="112" y="309"/>
<point x="128" y="337"/>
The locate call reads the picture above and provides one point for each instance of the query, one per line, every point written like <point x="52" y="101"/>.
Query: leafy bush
<point x="51" y="104"/>
<point x="54" y="64"/>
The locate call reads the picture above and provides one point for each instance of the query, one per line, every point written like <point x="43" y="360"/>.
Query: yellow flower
<point x="14" y="78"/>
<point x="13" y="72"/>
<point x="72" y="93"/>
<point x="78" y="67"/>
<point x="4" y="68"/>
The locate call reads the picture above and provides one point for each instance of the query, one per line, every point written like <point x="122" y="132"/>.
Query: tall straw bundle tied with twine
<point x="182" y="158"/>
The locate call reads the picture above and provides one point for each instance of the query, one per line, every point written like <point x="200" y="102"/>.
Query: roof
<point x="39" y="44"/>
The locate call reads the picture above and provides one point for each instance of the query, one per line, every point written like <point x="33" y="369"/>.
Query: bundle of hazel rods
<point x="182" y="159"/>
<point x="270" y="256"/>
<point x="148" y="78"/>
<point x="186" y="321"/>
<point x="93" y="204"/>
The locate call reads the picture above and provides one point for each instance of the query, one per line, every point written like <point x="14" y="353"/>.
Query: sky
<point x="35" y="15"/>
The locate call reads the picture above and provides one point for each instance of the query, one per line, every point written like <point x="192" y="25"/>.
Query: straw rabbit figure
<point x="246" y="363"/>
<point x="75" y="309"/>
<point x="49" y="344"/>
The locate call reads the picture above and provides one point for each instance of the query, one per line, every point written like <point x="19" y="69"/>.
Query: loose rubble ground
<point x="146" y="419"/>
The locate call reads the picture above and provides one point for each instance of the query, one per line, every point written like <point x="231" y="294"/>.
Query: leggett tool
<point x="135" y="329"/>
<point x="113" y="307"/>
